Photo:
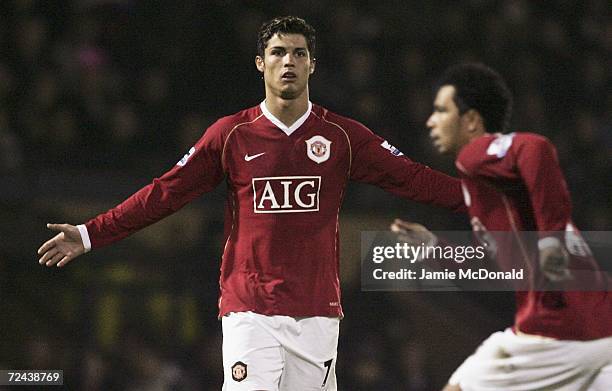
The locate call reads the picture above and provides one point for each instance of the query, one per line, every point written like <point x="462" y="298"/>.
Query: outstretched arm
<point x="198" y="172"/>
<point x="376" y="162"/>
<point x="63" y="247"/>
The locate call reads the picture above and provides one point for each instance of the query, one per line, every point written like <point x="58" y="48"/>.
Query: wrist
<point x="84" y="237"/>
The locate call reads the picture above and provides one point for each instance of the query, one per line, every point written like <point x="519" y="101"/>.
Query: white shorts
<point x="279" y="352"/>
<point x="511" y="362"/>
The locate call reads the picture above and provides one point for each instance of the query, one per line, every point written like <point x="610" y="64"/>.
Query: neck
<point x="287" y="110"/>
<point x="467" y="138"/>
<point x="474" y="134"/>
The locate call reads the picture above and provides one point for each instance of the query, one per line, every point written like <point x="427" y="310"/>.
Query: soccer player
<point x="513" y="182"/>
<point x="286" y="163"/>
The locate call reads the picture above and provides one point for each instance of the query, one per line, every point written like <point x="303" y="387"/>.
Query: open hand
<point x="63" y="247"/>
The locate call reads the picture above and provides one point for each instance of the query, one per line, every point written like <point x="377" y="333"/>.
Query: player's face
<point x="286" y="65"/>
<point x="445" y="123"/>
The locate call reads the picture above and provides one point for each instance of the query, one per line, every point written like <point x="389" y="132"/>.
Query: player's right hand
<point x="63" y="247"/>
<point x="413" y="233"/>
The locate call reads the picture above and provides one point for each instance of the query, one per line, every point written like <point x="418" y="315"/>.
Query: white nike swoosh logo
<point x="249" y="158"/>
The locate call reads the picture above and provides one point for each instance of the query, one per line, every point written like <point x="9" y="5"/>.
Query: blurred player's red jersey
<point x="513" y="182"/>
<point x="285" y="192"/>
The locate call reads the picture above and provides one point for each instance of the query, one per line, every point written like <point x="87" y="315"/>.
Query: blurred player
<point x="513" y="182"/>
<point x="286" y="163"/>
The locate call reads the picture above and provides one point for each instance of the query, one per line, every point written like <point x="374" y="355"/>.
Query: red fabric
<point x="285" y="262"/>
<point x="514" y="183"/>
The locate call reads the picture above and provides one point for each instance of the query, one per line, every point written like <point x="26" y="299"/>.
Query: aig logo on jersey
<point x="318" y="149"/>
<point x="286" y="194"/>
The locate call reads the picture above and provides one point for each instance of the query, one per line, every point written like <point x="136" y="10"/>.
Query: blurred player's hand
<point x="413" y="233"/>
<point x="63" y="247"/>
<point x="554" y="263"/>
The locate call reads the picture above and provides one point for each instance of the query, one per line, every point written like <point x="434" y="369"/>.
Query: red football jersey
<point x="513" y="182"/>
<point x="286" y="186"/>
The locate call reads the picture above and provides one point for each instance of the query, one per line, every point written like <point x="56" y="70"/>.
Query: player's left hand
<point x="554" y="263"/>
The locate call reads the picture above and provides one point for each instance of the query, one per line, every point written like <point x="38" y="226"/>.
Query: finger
<point x="64" y="261"/>
<point x="48" y="256"/>
<point x="57" y="227"/>
<point x="49" y="244"/>
<point x="402" y="223"/>
<point x="397" y="229"/>
<point x="56" y="258"/>
<point x="416" y="227"/>
<point x="407" y="228"/>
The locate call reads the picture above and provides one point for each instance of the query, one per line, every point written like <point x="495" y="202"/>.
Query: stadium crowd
<point x="121" y="89"/>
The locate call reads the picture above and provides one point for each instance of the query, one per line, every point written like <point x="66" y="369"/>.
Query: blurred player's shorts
<point x="511" y="362"/>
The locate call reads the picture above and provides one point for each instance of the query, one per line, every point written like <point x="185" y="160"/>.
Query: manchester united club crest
<point x="318" y="149"/>
<point x="239" y="371"/>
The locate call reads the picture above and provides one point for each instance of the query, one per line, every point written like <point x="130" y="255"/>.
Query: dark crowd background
<point x="98" y="97"/>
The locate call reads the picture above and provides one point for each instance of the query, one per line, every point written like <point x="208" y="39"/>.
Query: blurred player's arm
<point x="198" y="172"/>
<point x="539" y="167"/>
<point x="531" y="159"/>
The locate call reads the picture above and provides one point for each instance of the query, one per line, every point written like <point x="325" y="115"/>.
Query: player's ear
<point x="313" y="62"/>
<point x="259" y="63"/>
<point x="473" y="120"/>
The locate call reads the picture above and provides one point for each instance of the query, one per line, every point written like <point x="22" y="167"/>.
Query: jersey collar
<point x="286" y="129"/>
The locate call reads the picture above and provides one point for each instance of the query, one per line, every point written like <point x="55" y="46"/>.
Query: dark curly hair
<point x="480" y="88"/>
<point x="285" y="25"/>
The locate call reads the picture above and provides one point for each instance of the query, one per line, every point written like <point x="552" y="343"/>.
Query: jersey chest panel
<point x="272" y="172"/>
